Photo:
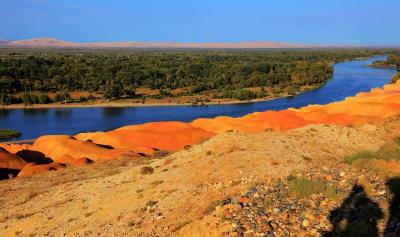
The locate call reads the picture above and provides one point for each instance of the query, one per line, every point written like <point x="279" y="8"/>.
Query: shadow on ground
<point x="358" y="215"/>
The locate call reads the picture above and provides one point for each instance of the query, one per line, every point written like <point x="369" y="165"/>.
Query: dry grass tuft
<point x="146" y="170"/>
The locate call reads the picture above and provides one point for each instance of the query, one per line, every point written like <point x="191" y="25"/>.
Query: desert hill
<point x="272" y="172"/>
<point x="184" y="194"/>
<point x="40" y="42"/>
<point x="51" y="43"/>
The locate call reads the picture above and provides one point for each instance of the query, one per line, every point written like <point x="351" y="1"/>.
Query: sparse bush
<point x="389" y="151"/>
<point x="303" y="187"/>
<point x="290" y="177"/>
<point x="147" y="170"/>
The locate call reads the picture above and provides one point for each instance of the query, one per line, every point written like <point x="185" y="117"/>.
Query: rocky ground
<point x="275" y="209"/>
<point x="234" y="184"/>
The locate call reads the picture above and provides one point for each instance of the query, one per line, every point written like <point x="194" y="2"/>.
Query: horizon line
<point x="50" y="41"/>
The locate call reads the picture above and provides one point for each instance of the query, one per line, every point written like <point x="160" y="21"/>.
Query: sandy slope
<point x="114" y="198"/>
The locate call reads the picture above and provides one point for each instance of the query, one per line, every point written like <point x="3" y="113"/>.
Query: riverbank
<point x="174" y="101"/>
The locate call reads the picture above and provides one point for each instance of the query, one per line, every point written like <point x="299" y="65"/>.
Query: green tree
<point x="29" y="98"/>
<point x="43" y="98"/>
<point x="113" y="90"/>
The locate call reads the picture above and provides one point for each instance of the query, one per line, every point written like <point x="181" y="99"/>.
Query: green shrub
<point x="83" y="99"/>
<point x="62" y="97"/>
<point x="29" y="98"/>
<point x="362" y="155"/>
<point x="5" y="99"/>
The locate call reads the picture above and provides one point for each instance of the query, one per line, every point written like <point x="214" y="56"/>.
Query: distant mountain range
<point x="56" y="43"/>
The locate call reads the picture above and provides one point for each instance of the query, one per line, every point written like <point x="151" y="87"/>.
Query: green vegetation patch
<point x="388" y="151"/>
<point x="9" y="133"/>
<point x="30" y="76"/>
<point x="303" y="187"/>
<point x="362" y="155"/>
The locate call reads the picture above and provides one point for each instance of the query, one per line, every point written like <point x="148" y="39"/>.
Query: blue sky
<point x="359" y="22"/>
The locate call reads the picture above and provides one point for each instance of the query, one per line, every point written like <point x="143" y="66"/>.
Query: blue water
<point x="349" y="78"/>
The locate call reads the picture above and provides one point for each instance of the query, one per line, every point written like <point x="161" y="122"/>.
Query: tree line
<point x="117" y="74"/>
<point x="393" y="60"/>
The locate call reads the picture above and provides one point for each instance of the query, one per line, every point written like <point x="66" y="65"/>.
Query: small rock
<point x="305" y="223"/>
<point x="235" y="200"/>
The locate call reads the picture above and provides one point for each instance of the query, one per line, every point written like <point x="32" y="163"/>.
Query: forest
<point x="28" y="76"/>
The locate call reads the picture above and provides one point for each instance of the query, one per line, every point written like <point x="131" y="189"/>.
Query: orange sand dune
<point x="169" y="136"/>
<point x="364" y="107"/>
<point x="145" y="139"/>
<point x="33" y="168"/>
<point x="56" y="146"/>
<point x="14" y="148"/>
<point x="69" y="160"/>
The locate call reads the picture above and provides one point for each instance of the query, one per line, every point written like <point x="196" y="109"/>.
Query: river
<point x="348" y="79"/>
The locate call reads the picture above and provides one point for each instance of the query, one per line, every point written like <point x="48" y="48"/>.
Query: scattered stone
<point x="271" y="209"/>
